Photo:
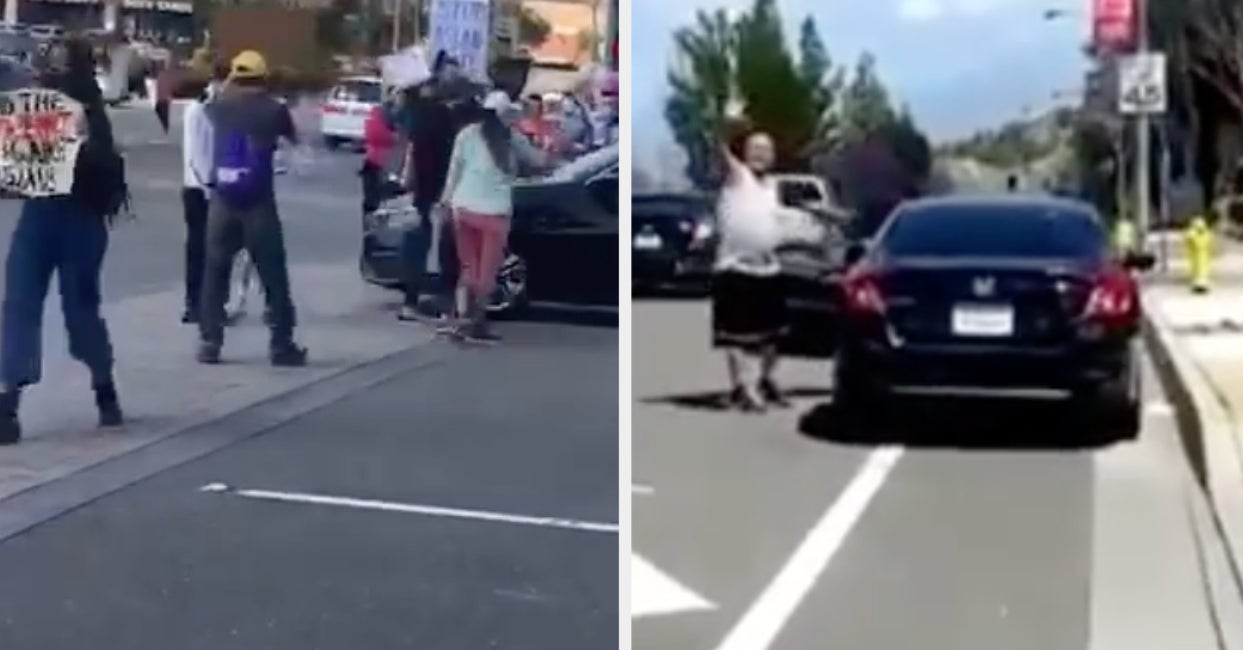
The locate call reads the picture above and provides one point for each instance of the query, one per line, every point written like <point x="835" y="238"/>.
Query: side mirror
<point x="1139" y="260"/>
<point x="855" y="252"/>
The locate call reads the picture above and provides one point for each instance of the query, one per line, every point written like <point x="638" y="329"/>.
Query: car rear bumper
<point x="987" y="368"/>
<point x="670" y="267"/>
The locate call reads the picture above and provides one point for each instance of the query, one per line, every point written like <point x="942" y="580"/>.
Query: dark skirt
<point x="747" y="310"/>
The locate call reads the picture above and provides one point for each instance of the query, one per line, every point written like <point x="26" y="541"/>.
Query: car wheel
<point x="857" y="394"/>
<point x="1114" y="406"/>
<point x="331" y="142"/>
<point x="510" y="296"/>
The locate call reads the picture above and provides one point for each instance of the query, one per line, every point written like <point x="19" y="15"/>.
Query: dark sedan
<point x="1009" y="296"/>
<point x="673" y="241"/>
<point x="562" y="242"/>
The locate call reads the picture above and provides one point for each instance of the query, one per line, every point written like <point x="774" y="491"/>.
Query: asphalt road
<point x="507" y="434"/>
<point x="960" y="526"/>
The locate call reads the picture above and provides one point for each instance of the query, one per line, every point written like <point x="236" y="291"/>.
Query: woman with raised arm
<point x="748" y="303"/>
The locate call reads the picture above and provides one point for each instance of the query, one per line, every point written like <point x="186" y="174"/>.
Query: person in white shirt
<point x="196" y="160"/>
<point x="748" y="301"/>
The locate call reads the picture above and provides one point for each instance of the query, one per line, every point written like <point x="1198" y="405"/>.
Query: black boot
<point x="286" y="353"/>
<point x="10" y="426"/>
<point x="109" y="408"/>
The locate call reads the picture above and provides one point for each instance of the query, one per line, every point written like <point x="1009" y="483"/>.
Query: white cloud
<point x="920" y="10"/>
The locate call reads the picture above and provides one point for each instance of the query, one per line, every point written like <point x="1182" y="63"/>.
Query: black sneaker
<point x="208" y="353"/>
<point x="10" y="426"/>
<point x="109" y="408"/>
<point x="481" y="335"/>
<point x="772" y="394"/>
<point x="288" y="355"/>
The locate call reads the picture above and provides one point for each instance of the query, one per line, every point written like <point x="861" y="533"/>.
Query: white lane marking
<point x="759" y="627"/>
<point x="1159" y="409"/>
<point x="642" y="490"/>
<point x="654" y="593"/>
<point x="412" y="509"/>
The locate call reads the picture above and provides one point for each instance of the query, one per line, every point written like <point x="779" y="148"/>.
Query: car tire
<point x="332" y="142"/>
<point x="857" y="395"/>
<point x="518" y="299"/>
<point x="1114" y="406"/>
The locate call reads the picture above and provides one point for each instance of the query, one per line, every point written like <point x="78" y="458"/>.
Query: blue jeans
<point x="53" y="235"/>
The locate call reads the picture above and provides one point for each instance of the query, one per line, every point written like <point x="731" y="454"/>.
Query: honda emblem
<point x="984" y="286"/>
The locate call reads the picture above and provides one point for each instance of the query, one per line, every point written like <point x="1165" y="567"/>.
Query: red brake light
<point x="1114" y="299"/>
<point x="863" y="294"/>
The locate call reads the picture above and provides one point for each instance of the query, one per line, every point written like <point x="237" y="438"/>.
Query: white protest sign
<point x="39" y="141"/>
<point x="405" y="68"/>
<point x="462" y="28"/>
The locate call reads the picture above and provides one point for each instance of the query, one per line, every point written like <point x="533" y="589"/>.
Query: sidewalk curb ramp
<point x="192" y="440"/>
<point x="1211" y="442"/>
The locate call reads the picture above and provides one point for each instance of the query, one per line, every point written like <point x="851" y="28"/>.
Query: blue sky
<point x="960" y="64"/>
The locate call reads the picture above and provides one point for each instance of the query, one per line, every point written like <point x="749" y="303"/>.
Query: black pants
<point x="259" y="230"/>
<point x="373" y="183"/>
<point x="414" y="251"/>
<point x="54" y="235"/>
<point x="194" y="200"/>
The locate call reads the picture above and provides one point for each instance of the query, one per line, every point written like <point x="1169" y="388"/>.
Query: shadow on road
<point x="718" y="400"/>
<point x="581" y="317"/>
<point x="970" y="424"/>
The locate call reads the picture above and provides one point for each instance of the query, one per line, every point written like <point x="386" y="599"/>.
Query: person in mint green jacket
<point x="478" y="196"/>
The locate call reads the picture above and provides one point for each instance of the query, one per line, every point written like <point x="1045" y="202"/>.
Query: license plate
<point x="647" y="242"/>
<point x="983" y="320"/>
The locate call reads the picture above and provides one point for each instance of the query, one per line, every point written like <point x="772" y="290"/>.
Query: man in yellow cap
<point x="247" y="124"/>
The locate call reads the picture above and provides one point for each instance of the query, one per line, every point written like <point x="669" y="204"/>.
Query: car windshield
<point x="796" y="194"/>
<point x="367" y="92"/>
<point x="586" y="165"/>
<point x="1004" y="231"/>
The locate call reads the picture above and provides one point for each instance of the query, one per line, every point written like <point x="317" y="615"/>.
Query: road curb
<point x="51" y="499"/>
<point x="1210" y="440"/>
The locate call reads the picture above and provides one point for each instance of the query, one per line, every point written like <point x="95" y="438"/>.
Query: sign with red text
<point x="1113" y="24"/>
<point x="39" y="142"/>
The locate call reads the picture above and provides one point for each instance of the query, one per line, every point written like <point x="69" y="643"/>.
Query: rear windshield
<point x="796" y="194"/>
<point x="358" y="91"/>
<point x="995" y="231"/>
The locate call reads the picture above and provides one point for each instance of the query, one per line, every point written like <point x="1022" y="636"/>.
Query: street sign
<point x="1142" y="86"/>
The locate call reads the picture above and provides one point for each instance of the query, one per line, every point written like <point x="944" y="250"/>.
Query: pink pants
<point x="481" y="241"/>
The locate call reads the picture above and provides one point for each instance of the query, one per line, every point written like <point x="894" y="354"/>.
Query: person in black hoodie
<point x="67" y="235"/>
<point x="433" y="114"/>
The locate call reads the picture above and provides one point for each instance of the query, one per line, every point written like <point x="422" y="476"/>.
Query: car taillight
<point x="862" y="293"/>
<point x="1114" y="300"/>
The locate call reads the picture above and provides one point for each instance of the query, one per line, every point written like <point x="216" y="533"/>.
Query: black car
<point x="673" y="240"/>
<point x="562" y="242"/>
<point x="993" y="296"/>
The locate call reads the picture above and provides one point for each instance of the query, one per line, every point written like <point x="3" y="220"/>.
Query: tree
<point x="865" y="103"/>
<point x="702" y="84"/>
<point x="818" y="72"/>
<point x="909" y="144"/>
<point x="776" y="98"/>
<point x="747" y="61"/>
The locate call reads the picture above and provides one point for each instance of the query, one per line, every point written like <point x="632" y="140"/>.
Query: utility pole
<point x="397" y="25"/>
<point x="1143" y="142"/>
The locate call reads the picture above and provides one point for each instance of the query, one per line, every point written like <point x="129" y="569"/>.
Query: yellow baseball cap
<point x="248" y="64"/>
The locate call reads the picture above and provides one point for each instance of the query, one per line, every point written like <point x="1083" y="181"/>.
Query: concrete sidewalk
<point x="1197" y="341"/>
<point x="344" y="322"/>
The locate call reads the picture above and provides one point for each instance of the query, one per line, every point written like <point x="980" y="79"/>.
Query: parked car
<point x="673" y="240"/>
<point x="562" y="242"/>
<point x="990" y="295"/>
<point x="346" y="108"/>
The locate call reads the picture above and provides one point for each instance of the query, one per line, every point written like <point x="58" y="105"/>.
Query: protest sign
<point x="405" y="68"/>
<point x="39" y="141"/>
<point x="463" y="29"/>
